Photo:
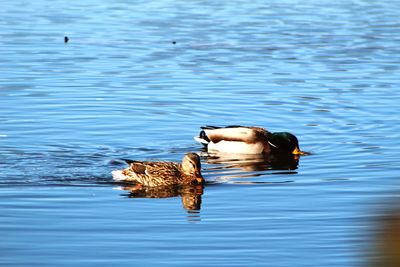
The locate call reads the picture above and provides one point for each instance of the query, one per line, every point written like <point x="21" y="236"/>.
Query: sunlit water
<point x="137" y="80"/>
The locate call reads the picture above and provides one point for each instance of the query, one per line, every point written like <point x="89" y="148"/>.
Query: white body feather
<point x="118" y="175"/>
<point x="237" y="140"/>
<point x="200" y="140"/>
<point x="242" y="133"/>
<point x="235" y="147"/>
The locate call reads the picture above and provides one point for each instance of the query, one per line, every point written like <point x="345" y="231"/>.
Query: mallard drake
<point x="153" y="174"/>
<point x="247" y="140"/>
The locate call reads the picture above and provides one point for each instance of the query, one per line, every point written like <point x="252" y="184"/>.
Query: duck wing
<point x="138" y="167"/>
<point x="210" y="133"/>
<point x="155" y="173"/>
<point x="236" y="133"/>
<point x="162" y="169"/>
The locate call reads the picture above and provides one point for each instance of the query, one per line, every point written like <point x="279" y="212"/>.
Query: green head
<point x="284" y="143"/>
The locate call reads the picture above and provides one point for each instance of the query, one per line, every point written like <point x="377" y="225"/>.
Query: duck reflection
<point x="386" y="248"/>
<point x="257" y="162"/>
<point x="190" y="194"/>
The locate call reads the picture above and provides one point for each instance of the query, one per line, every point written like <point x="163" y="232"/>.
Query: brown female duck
<point x="154" y="174"/>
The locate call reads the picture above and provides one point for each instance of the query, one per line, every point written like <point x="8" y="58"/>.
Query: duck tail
<point x="202" y="138"/>
<point x="118" y="175"/>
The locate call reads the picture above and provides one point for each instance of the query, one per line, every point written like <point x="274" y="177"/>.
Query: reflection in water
<point x="230" y="166"/>
<point x="191" y="194"/>
<point x="255" y="162"/>
<point x="386" y="247"/>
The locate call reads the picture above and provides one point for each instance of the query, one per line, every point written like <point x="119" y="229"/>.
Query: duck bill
<point x="297" y="151"/>
<point x="199" y="178"/>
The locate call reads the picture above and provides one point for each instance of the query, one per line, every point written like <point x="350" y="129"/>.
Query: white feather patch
<point x="235" y="147"/>
<point x="239" y="133"/>
<point x="200" y="140"/>
<point x="271" y="144"/>
<point x="118" y="175"/>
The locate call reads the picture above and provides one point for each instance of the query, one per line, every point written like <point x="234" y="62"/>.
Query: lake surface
<point x="137" y="79"/>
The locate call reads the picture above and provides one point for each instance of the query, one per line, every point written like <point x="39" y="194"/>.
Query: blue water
<point x="137" y="79"/>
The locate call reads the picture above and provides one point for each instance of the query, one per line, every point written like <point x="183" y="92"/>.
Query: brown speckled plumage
<point x="154" y="174"/>
<point x="190" y="194"/>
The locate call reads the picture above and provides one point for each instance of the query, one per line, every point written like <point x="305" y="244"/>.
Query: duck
<point x="236" y="139"/>
<point x="156" y="174"/>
